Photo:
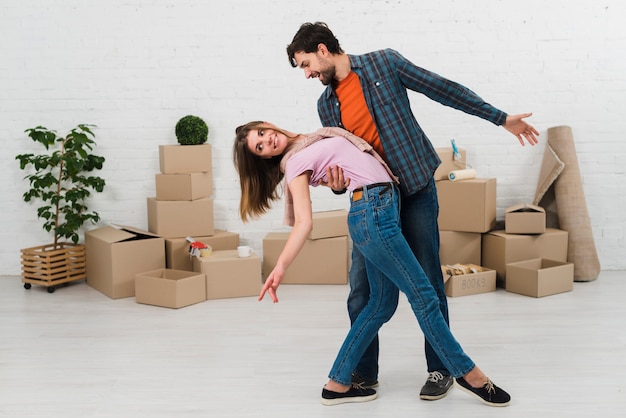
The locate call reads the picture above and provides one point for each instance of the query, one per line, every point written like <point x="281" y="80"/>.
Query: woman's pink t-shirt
<point x="360" y="167"/>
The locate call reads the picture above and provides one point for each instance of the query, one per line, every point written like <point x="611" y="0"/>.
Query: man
<point x="367" y="95"/>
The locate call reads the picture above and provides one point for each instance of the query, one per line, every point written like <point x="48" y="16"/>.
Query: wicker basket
<point x="49" y="266"/>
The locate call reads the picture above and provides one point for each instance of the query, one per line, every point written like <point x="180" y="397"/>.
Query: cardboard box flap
<point x="120" y="233"/>
<point x="525" y="207"/>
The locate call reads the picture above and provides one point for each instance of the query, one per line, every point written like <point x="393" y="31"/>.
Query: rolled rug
<point x="560" y="193"/>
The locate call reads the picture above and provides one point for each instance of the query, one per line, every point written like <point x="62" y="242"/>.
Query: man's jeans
<point x="418" y="214"/>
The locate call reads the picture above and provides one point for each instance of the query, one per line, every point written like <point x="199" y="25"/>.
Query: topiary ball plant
<point x="191" y="130"/>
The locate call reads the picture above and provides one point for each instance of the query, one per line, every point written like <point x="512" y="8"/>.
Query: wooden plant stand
<point x="48" y="266"/>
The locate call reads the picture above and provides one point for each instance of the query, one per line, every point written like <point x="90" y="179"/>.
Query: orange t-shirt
<point x="355" y="116"/>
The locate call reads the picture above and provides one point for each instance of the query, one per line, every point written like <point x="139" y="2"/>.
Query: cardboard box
<point x="177" y="249"/>
<point x="321" y="261"/>
<point x="228" y="276"/>
<point x="467" y="205"/>
<point x="189" y="186"/>
<point x="175" y="159"/>
<point x="469" y="284"/>
<point x="539" y="277"/>
<point x="448" y="163"/>
<point x="500" y="249"/>
<point x="115" y="254"/>
<point x="177" y="219"/>
<point x="328" y="224"/>
<point x="525" y="219"/>
<point x="459" y="247"/>
<point x="170" y="288"/>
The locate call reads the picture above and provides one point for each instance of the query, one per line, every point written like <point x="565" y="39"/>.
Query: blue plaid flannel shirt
<point x="385" y="78"/>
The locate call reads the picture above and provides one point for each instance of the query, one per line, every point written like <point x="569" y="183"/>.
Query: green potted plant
<point x="191" y="130"/>
<point x="60" y="182"/>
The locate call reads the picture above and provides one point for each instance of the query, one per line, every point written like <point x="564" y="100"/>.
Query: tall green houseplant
<point x="60" y="182"/>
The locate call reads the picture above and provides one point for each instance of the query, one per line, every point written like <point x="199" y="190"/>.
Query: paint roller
<point x="468" y="173"/>
<point x="464" y="174"/>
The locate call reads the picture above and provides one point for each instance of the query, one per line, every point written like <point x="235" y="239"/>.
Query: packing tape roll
<point x="206" y="252"/>
<point x="468" y="173"/>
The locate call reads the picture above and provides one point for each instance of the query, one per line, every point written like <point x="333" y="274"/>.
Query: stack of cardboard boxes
<point x="468" y="233"/>
<point x="529" y="258"/>
<point x="467" y="209"/>
<point x="183" y="205"/>
<point x="155" y="266"/>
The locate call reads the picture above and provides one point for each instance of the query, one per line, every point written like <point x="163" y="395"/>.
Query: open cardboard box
<point x="500" y="249"/>
<point x="539" y="277"/>
<point x="116" y="253"/>
<point x="170" y="288"/>
<point x="469" y="283"/>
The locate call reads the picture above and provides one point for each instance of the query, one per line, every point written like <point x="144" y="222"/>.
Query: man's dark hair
<point x="308" y="37"/>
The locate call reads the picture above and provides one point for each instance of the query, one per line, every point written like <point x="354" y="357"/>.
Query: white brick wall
<point x="134" y="68"/>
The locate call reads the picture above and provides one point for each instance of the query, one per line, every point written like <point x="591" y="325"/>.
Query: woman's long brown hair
<point x="259" y="178"/>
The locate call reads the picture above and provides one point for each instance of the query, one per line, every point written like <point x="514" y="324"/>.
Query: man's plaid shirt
<point x="385" y="78"/>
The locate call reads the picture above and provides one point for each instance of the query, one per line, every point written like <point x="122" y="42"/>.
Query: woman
<point x="264" y="155"/>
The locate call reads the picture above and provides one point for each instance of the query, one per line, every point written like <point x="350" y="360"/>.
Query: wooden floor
<point x="78" y="353"/>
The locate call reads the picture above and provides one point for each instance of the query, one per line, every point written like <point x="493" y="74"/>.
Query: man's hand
<point x="518" y="127"/>
<point x="335" y="180"/>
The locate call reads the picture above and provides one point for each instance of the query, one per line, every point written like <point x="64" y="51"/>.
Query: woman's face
<point x="266" y="142"/>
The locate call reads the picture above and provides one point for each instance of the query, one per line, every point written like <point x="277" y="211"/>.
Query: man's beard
<point x="328" y="76"/>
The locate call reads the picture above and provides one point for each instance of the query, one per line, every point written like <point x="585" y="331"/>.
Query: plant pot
<point x="48" y="266"/>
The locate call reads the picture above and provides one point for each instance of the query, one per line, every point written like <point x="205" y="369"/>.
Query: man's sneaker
<point x="363" y="382"/>
<point x="354" y="394"/>
<point x="490" y="394"/>
<point x="436" y="387"/>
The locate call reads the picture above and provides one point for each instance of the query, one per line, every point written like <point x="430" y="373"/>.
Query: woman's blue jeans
<point x="418" y="215"/>
<point x="374" y="223"/>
